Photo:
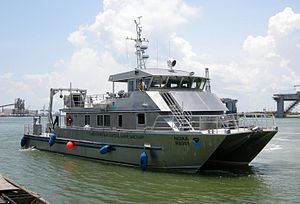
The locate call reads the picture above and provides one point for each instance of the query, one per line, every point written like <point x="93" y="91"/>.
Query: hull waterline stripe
<point x="90" y="144"/>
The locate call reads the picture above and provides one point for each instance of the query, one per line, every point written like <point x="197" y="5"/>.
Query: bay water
<point x="272" y="177"/>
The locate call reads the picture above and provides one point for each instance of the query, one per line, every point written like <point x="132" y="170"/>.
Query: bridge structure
<point x="281" y="98"/>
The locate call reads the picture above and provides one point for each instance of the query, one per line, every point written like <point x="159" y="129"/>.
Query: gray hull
<point x="240" y="149"/>
<point x="176" y="151"/>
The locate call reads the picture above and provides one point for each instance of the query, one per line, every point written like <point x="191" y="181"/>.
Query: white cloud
<point x="59" y="63"/>
<point x="260" y="46"/>
<point x="265" y="67"/>
<point x="6" y="76"/>
<point x="284" y="22"/>
<point x="78" y="38"/>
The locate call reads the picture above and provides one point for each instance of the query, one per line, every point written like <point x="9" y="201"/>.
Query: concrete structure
<point x="281" y="98"/>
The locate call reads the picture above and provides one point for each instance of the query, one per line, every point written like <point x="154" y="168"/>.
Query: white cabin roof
<point x="138" y="73"/>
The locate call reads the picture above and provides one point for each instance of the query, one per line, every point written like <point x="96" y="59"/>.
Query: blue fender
<point x="106" y="148"/>
<point x="52" y="139"/>
<point x="144" y="161"/>
<point x="23" y="141"/>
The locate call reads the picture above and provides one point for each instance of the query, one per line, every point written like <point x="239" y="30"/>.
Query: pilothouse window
<point x="198" y="83"/>
<point x="173" y="82"/>
<point x="186" y="82"/>
<point x="159" y="81"/>
<point x="130" y="86"/>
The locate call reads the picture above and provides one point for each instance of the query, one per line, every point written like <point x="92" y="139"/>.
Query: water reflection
<point x="92" y="181"/>
<point x="273" y="176"/>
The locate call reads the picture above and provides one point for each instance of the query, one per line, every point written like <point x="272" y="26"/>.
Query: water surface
<point x="273" y="177"/>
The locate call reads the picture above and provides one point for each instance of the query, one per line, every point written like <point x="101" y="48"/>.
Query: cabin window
<point x="186" y="82"/>
<point x="147" y="83"/>
<point x="100" y="120"/>
<point x="87" y="120"/>
<point x="106" y="120"/>
<point x="173" y="82"/>
<point x="141" y="118"/>
<point x="131" y="85"/>
<point x="202" y="84"/>
<point x="120" y="120"/>
<point x="198" y="83"/>
<point x="159" y="81"/>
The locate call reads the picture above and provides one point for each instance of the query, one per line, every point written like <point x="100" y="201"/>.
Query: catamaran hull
<point x="175" y="151"/>
<point x="240" y="149"/>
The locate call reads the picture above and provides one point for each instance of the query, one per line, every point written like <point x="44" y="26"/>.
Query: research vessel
<point x="166" y="119"/>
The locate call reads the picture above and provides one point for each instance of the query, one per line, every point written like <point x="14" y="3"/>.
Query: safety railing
<point x="216" y="123"/>
<point x="28" y="129"/>
<point x="90" y="100"/>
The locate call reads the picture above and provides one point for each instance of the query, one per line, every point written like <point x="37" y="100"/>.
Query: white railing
<point x="95" y="98"/>
<point x="28" y="129"/>
<point x="216" y="123"/>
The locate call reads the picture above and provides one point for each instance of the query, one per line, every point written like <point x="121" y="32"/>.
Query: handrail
<point x="216" y="122"/>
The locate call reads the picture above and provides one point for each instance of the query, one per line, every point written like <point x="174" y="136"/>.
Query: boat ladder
<point x="182" y="118"/>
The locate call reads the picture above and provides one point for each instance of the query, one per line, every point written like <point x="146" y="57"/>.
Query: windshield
<point x="186" y="82"/>
<point x="174" y="82"/>
<point x="159" y="81"/>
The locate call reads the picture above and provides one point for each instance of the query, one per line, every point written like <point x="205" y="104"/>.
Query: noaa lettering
<point x="181" y="140"/>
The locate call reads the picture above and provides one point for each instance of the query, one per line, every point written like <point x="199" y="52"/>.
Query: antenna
<point x="127" y="52"/>
<point x="207" y="87"/>
<point x="141" y="45"/>
<point x="169" y="48"/>
<point x="157" y="53"/>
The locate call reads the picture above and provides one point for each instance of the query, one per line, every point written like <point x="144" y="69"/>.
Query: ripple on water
<point x="274" y="176"/>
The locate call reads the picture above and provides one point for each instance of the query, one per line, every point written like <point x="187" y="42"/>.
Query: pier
<point x="281" y="98"/>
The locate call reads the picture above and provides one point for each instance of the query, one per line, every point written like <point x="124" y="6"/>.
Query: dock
<point x="11" y="192"/>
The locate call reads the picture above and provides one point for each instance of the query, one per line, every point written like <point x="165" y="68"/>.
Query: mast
<point x="207" y="87"/>
<point x="141" y="45"/>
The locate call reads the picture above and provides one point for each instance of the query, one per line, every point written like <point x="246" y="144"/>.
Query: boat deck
<point x="11" y="192"/>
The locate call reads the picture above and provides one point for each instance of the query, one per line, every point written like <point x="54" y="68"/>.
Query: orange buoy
<point x="70" y="145"/>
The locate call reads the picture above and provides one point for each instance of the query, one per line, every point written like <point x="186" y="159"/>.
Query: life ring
<point x="69" y="120"/>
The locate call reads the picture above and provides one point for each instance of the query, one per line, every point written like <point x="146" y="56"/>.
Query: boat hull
<point x="165" y="150"/>
<point x="240" y="149"/>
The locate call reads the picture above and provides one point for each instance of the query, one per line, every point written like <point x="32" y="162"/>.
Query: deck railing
<point x="216" y="123"/>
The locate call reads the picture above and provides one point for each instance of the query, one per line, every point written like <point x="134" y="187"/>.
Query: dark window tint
<point x="120" y="120"/>
<point x="131" y="86"/>
<point x="141" y="118"/>
<point x="100" y="120"/>
<point x="87" y="120"/>
<point x="106" y="120"/>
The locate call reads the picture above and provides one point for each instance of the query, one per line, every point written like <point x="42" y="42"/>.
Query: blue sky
<point x="45" y="43"/>
<point x="34" y="33"/>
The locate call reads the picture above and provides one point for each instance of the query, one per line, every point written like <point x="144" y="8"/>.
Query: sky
<point x="251" y="48"/>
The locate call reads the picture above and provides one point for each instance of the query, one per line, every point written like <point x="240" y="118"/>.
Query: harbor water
<point x="273" y="176"/>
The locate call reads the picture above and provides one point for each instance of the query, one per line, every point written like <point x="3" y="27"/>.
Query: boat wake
<point x="290" y="133"/>
<point x="28" y="149"/>
<point x="273" y="147"/>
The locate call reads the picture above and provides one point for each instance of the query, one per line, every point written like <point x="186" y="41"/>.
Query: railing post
<point x="217" y="125"/>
